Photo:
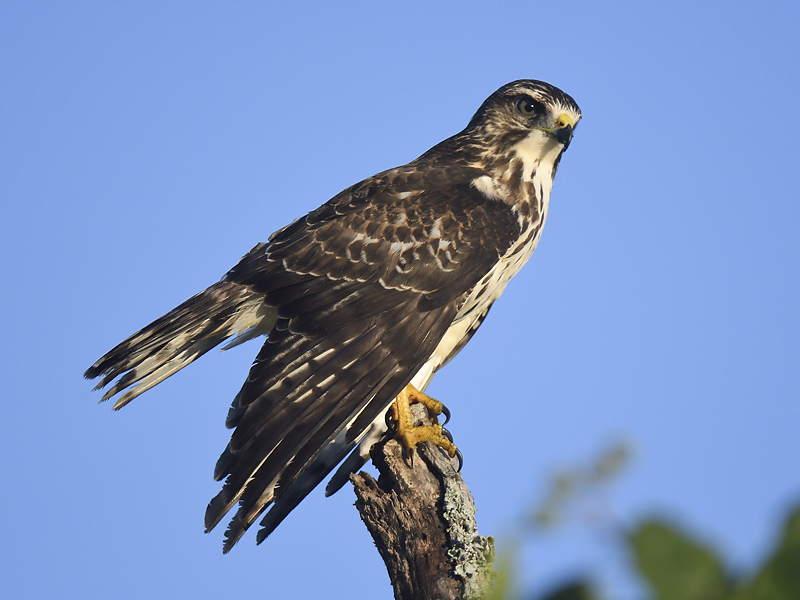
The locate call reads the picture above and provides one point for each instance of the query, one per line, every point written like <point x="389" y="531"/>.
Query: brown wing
<point x="365" y="287"/>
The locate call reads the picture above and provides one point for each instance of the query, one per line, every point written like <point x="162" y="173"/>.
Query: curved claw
<point x="460" y="458"/>
<point x="446" y="413"/>
<point x="447" y="434"/>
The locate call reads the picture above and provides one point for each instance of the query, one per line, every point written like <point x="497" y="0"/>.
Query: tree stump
<point x="422" y="519"/>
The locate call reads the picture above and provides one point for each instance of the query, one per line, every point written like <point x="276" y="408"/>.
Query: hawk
<point x="361" y="301"/>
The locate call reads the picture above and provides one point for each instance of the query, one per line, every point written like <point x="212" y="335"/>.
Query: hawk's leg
<point x="409" y="435"/>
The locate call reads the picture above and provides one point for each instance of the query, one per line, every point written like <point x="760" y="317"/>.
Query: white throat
<point x="537" y="152"/>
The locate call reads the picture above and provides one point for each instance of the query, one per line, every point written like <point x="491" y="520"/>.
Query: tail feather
<point x="181" y="336"/>
<point x="359" y="455"/>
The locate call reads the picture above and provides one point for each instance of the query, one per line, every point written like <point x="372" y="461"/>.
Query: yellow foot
<point x="409" y="435"/>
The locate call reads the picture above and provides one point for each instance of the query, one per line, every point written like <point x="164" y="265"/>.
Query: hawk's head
<point x="527" y="122"/>
<point x="526" y="111"/>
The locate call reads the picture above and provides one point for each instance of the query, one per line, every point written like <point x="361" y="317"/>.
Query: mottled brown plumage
<point x="377" y="288"/>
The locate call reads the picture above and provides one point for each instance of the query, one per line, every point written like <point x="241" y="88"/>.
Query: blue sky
<point x="147" y="146"/>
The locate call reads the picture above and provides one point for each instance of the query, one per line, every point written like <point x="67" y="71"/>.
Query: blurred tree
<point x="672" y="562"/>
<point x="678" y="567"/>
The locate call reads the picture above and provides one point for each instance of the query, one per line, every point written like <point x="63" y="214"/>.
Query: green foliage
<point x="679" y="568"/>
<point x="504" y="568"/>
<point x="779" y="578"/>
<point x="676" y="566"/>
<point x="672" y="563"/>
<point x="576" y="590"/>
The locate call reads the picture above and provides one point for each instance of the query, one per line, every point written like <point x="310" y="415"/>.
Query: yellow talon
<point x="410" y="435"/>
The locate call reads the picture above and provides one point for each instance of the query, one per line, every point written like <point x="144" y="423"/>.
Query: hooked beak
<point x="563" y="129"/>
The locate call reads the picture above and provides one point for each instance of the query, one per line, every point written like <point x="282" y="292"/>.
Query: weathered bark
<point x="422" y="519"/>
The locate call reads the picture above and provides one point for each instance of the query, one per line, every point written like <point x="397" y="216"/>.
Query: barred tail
<point x="179" y="337"/>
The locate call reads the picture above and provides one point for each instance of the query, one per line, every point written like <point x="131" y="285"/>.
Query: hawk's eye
<point x="529" y="107"/>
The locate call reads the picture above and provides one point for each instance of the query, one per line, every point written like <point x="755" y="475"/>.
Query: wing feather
<point x="365" y="288"/>
<point x="358" y="294"/>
